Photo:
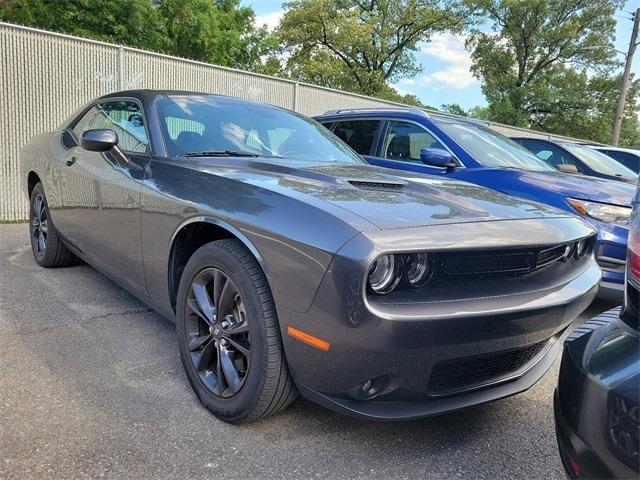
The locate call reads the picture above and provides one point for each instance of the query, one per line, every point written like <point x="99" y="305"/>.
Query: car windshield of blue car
<point x="600" y="162"/>
<point x="491" y="148"/>
<point x="208" y="125"/>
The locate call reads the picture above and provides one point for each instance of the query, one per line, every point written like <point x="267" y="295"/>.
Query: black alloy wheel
<point x="46" y="244"/>
<point x="39" y="225"/>
<point x="229" y="335"/>
<point x="218" y="332"/>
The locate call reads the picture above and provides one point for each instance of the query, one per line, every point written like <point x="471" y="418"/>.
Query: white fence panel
<point x="148" y="70"/>
<point x="43" y="79"/>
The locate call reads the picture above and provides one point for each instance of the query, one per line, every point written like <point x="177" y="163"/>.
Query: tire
<point x="46" y="245"/>
<point x="233" y="327"/>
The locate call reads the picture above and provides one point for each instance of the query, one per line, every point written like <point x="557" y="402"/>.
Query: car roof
<point x="616" y="149"/>
<point x="399" y="111"/>
<point x="520" y="137"/>
<point x="146" y="95"/>
<point x="547" y="140"/>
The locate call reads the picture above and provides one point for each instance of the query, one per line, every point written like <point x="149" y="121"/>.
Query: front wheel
<point x="228" y="335"/>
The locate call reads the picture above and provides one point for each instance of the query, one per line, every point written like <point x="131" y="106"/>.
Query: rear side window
<point x="124" y="118"/>
<point x="403" y="141"/>
<point x="627" y="159"/>
<point x="549" y="154"/>
<point x="358" y="134"/>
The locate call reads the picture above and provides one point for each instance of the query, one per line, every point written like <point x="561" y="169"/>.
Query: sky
<point x="446" y="75"/>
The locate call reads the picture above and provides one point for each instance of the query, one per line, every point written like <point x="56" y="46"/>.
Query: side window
<point x="124" y="118"/>
<point x="358" y="134"/>
<point x="548" y="153"/>
<point x="624" y="158"/>
<point x="403" y="141"/>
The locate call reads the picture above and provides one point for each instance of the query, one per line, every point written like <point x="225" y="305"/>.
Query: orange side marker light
<point x="310" y="339"/>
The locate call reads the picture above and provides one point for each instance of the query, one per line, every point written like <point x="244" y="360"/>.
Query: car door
<point x="100" y="193"/>
<point x="400" y="145"/>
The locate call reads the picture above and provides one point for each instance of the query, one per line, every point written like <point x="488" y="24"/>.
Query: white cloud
<point x="448" y="48"/>
<point x="271" y="19"/>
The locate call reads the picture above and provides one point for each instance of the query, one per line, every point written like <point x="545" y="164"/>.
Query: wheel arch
<point x="32" y="180"/>
<point x="191" y="235"/>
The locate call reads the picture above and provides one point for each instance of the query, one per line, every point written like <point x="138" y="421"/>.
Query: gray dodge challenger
<point x="289" y="265"/>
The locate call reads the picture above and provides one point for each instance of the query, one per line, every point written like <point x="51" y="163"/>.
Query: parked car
<point x="628" y="157"/>
<point x="289" y="264"/>
<point x="451" y="147"/>
<point x="597" y="402"/>
<point x="571" y="157"/>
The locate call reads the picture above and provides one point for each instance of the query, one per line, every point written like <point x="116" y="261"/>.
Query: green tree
<point x="136" y="23"/>
<point x="214" y="31"/>
<point x="454" y="109"/>
<point x="537" y="49"/>
<point x="361" y="45"/>
<point x="586" y="109"/>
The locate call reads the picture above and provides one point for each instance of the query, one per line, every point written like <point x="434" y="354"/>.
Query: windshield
<point x="491" y="148"/>
<point x="599" y="162"/>
<point x="193" y="124"/>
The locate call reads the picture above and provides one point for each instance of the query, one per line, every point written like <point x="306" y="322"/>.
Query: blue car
<point x="410" y="139"/>
<point x="571" y="157"/>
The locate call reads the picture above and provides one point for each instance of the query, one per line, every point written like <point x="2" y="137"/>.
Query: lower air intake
<point x="465" y="373"/>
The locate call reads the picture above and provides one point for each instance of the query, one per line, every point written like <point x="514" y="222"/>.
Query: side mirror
<point x="437" y="157"/>
<point x="567" y="168"/>
<point x="99" y="140"/>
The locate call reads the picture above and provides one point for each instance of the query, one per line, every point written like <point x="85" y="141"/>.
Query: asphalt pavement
<point x="91" y="385"/>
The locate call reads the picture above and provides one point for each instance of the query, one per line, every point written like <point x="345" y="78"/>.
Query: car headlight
<point x="384" y="274"/>
<point x="602" y="211"/>
<point x="414" y="270"/>
<point x="418" y="269"/>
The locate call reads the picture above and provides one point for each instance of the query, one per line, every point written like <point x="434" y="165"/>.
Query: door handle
<point x="71" y="161"/>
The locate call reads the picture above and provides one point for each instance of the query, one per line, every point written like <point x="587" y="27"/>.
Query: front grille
<point x="500" y="263"/>
<point x="550" y="255"/>
<point x="464" y="373"/>
<point x="485" y="263"/>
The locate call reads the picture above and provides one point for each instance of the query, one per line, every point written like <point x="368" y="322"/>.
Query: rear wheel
<point x="46" y="245"/>
<point x="228" y="335"/>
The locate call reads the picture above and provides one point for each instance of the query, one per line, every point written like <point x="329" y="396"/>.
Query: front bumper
<point x="611" y="255"/>
<point x="429" y="357"/>
<point x="390" y="410"/>
<point x="596" y="402"/>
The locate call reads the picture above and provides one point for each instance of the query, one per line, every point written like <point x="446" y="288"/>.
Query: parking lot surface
<point x="91" y="385"/>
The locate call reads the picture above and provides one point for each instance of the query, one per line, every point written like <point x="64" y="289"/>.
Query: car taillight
<point x="633" y="255"/>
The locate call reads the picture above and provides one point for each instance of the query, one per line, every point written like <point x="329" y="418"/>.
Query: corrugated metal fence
<point x="45" y="76"/>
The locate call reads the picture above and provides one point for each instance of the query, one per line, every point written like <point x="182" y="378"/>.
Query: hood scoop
<point x="377" y="184"/>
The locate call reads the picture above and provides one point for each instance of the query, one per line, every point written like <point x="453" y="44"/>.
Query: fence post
<point x="295" y="97"/>
<point x="121" y="85"/>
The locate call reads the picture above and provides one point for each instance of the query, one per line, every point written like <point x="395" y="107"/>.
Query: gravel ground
<point x="91" y="385"/>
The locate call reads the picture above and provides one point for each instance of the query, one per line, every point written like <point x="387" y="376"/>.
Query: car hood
<point x="581" y="186"/>
<point x="381" y="196"/>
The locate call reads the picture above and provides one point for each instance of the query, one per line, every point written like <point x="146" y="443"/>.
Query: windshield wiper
<point x="221" y="153"/>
